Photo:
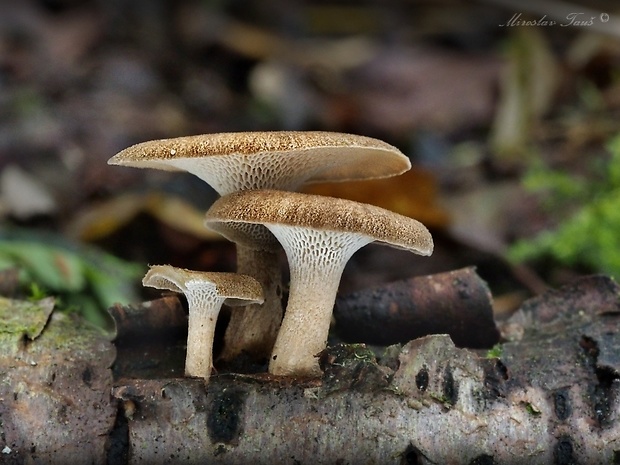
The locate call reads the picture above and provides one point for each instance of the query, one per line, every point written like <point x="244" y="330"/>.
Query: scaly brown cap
<point x="321" y="213"/>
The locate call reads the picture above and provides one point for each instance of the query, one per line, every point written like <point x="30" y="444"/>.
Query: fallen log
<point x="550" y="395"/>
<point x="546" y="399"/>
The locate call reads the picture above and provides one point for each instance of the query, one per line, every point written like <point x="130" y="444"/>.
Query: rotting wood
<point x="547" y="399"/>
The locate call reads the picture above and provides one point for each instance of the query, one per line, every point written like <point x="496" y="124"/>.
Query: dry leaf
<point x="179" y="214"/>
<point x="100" y="220"/>
<point x="24" y="196"/>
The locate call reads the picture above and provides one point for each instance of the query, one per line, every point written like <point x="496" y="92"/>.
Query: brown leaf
<point x="412" y="194"/>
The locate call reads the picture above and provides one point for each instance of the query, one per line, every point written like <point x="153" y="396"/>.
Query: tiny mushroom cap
<point x="319" y="234"/>
<point x="284" y="160"/>
<point x="206" y="292"/>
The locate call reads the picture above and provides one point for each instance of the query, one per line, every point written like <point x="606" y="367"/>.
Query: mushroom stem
<point x="253" y="329"/>
<point x="204" y="307"/>
<point x="316" y="260"/>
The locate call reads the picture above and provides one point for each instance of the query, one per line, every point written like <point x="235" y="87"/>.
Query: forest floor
<point x="507" y="123"/>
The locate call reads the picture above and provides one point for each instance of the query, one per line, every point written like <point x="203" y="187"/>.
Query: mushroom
<point x="319" y="234"/>
<point x="206" y="293"/>
<point x="284" y="160"/>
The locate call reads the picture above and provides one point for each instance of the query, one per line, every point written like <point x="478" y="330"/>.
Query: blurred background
<point x="508" y="110"/>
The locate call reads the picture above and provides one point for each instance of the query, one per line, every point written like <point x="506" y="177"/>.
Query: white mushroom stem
<point x="316" y="261"/>
<point x="204" y="307"/>
<point x="253" y="329"/>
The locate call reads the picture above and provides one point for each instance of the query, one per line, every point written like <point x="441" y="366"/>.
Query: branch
<point x="404" y="310"/>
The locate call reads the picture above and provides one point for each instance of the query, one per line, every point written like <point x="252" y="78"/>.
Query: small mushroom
<point x="206" y="293"/>
<point x="284" y="160"/>
<point x="319" y="234"/>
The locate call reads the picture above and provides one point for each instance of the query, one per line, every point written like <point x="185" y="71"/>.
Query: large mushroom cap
<point x="321" y="213"/>
<point x="268" y="160"/>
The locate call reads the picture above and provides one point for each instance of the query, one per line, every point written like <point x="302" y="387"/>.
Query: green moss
<point x="532" y="409"/>
<point x="23" y="318"/>
<point x="442" y="399"/>
<point x="71" y="333"/>
<point x="495" y="351"/>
